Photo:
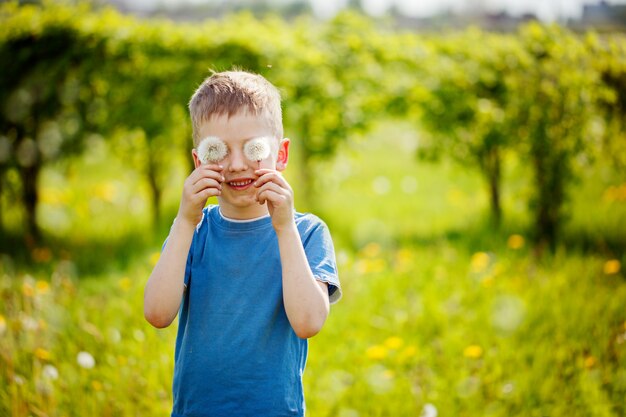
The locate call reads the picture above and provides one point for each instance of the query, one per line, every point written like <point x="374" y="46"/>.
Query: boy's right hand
<point x="205" y="181"/>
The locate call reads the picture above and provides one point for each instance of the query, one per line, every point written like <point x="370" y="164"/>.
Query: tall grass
<point x="441" y="314"/>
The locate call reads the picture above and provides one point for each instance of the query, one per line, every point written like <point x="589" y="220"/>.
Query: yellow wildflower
<point x="42" y="354"/>
<point x="389" y="374"/>
<point x="371" y="250"/>
<point x="27" y="289"/>
<point x="394" y="343"/>
<point x="125" y="283"/>
<point x="612" y="267"/>
<point x="408" y="352"/>
<point x="488" y="281"/>
<point x="154" y="258"/>
<point x="97" y="385"/>
<point x="590" y="361"/>
<point x="3" y="324"/>
<point x="42" y="287"/>
<point x="376" y="352"/>
<point x="480" y="261"/>
<point x="515" y="241"/>
<point x="370" y="266"/>
<point x="473" y="351"/>
<point x="105" y="191"/>
<point x="404" y="257"/>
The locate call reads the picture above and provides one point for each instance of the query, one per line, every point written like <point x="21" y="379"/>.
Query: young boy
<point x="251" y="278"/>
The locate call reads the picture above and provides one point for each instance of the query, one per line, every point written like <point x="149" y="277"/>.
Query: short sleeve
<point x="320" y="252"/>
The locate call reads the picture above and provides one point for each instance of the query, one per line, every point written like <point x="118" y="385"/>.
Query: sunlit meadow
<point x="440" y="316"/>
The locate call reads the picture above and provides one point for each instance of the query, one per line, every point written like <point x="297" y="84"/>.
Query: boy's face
<point x="238" y="198"/>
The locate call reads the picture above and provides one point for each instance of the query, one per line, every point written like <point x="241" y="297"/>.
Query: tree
<point x="556" y="103"/>
<point x="466" y="107"/>
<point x="44" y="98"/>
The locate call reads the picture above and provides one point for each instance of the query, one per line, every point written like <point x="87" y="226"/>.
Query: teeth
<point x="240" y="183"/>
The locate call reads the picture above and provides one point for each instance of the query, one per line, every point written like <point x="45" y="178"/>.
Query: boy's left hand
<point x="277" y="193"/>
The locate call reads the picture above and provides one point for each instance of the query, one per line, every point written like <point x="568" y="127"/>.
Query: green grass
<point x="438" y="308"/>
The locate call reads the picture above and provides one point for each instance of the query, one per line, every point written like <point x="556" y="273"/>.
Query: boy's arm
<point x="165" y="287"/>
<point x="305" y="298"/>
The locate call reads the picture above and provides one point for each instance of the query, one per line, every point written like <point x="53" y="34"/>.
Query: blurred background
<point x="469" y="158"/>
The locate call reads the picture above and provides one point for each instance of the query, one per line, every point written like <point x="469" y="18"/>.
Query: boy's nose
<point x="238" y="162"/>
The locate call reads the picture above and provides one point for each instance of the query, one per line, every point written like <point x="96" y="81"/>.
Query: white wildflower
<point x="85" y="360"/>
<point x="29" y="323"/>
<point x="138" y="335"/>
<point x="429" y="410"/>
<point x="50" y="372"/>
<point x="257" y="149"/>
<point x="212" y="149"/>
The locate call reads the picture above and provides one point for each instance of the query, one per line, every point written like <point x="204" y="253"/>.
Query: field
<point x="442" y="315"/>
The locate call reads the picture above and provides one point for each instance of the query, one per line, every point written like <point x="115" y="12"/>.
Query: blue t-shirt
<point x="236" y="353"/>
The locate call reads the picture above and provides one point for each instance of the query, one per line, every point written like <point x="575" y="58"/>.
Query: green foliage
<point x="556" y="104"/>
<point x="437" y="309"/>
<point x="469" y="106"/>
<point x="476" y="97"/>
<point x="426" y="325"/>
<point x="610" y="59"/>
<point x="44" y="96"/>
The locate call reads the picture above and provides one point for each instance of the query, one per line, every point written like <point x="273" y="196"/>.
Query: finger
<point x="201" y="196"/>
<point x="205" y="183"/>
<point x="272" y="197"/>
<point x="201" y="174"/>
<point x="273" y="193"/>
<point x="212" y="167"/>
<point x="209" y="192"/>
<point x="273" y="187"/>
<point x="272" y="176"/>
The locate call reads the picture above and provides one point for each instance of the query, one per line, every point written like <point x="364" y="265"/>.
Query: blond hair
<point x="230" y="92"/>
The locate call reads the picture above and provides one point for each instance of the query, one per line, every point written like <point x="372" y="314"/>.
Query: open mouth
<point x="241" y="184"/>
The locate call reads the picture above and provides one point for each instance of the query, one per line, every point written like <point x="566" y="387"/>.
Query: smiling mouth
<point x="241" y="184"/>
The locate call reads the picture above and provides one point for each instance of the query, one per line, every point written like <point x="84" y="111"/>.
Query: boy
<point x="251" y="278"/>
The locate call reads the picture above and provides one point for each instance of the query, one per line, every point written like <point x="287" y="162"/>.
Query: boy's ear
<point x="283" y="155"/>
<point x="196" y="160"/>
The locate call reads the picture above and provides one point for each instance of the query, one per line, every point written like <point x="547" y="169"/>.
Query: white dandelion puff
<point x="50" y="372"/>
<point x="429" y="410"/>
<point x="257" y="149"/>
<point x="212" y="149"/>
<point x="85" y="360"/>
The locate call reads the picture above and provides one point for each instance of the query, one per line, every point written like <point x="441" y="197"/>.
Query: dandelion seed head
<point x="257" y="149"/>
<point x="85" y="360"/>
<point x="212" y="149"/>
<point x="28" y="323"/>
<point x="508" y="388"/>
<point x="429" y="410"/>
<point x="50" y="372"/>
